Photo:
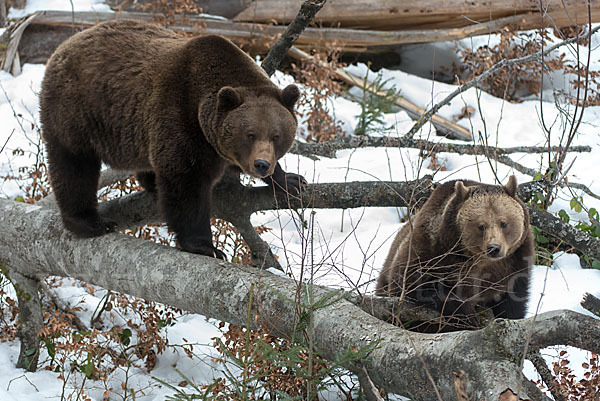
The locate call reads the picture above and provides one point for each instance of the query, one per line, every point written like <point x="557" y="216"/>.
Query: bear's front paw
<point x="201" y="247"/>
<point x="89" y="225"/>
<point x="291" y="183"/>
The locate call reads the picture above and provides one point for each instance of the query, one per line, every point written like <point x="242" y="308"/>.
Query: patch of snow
<point x="59" y="5"/>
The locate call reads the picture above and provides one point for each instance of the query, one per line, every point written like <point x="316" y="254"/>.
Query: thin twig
<point x="7" y="139"/>
<point x="60" y="305"/>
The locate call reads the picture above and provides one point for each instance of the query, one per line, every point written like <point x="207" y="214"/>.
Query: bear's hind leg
<point x="74" y="178"/>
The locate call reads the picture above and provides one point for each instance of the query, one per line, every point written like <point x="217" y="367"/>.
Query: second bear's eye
<point x="503" y="224"/>
<point x="482" y="227"/>
<point x="276" y="138"/>
<point x="251" y="137"/>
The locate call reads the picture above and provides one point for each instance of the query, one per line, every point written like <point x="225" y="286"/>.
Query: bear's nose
<point x="261" y="166"/>
<point x="493" y="250"/>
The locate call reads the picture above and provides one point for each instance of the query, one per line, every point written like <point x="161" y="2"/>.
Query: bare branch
<point x="308" y="10"/>
<point x="540" y="365"/>
<point x="329" y="148"/>
<point x="237" y="202"/>
<point x="573" y="236"/>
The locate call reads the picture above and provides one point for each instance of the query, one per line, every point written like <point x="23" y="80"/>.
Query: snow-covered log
<point x="34" y="243"/>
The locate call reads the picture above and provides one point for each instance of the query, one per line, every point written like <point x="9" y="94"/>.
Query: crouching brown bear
<point x="470" y="245"/>
<point x="178" y="111"/>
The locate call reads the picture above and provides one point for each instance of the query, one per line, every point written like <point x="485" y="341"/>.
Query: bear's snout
<point x="262" y="167"/>
<point x="494" y="251"/>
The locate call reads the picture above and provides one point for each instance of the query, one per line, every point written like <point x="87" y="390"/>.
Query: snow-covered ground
<point x="350" y="245"/>
<point x="59" y="5"/>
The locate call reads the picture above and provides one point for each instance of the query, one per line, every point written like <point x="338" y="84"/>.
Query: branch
<point x="540" y="365"/>
<point x="501" y="64"/>
<point x="574" y="237"/>
<point x="308" y="10"/>
<point x="162" y="274"/>
<point x="591" y="303"/>
<point x="329" y="148"/>
<point x="237" y="202"/>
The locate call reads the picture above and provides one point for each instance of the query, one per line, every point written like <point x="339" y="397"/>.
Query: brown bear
<point x="176" y="110"/>
<point x="471" y="244"/>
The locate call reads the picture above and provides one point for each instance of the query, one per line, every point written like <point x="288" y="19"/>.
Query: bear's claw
<point x="89" y="226"/>
<point x="202" y="248"/>
<point x="292" y="183"/>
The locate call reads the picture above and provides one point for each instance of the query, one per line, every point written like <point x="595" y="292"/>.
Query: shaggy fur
<point x="471" y="244"/>
<point x="176" y="110"/>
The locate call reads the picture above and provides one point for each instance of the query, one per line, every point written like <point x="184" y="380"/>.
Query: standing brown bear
<point x="176" y="110"/>
<point x="471" y="244"/>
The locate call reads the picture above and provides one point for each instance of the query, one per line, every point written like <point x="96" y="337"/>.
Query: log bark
<point x="3" y="12"/>
<point x="30" y="317"/>
<point x="34" y="243"/>
<point x="426" y="14"/>
<point x="223" y="8"/>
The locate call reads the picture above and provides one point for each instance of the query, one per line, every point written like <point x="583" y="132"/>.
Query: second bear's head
<point x="253" y="127"/>
<point x="491" y="221"/>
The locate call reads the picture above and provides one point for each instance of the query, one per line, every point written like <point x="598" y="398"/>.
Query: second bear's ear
<point x="462" y="192"/>
<point x="228" y="98"/>
<point x="511" y="186"/>
<point x="289" y="96"/>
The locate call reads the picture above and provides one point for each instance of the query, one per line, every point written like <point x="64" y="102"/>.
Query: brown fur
<point x="441" y="258"/>
<point x="176" y="110"/>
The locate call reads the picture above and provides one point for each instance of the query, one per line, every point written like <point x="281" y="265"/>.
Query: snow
<point x="59" y="5"/>
<point x="350" y="245"/>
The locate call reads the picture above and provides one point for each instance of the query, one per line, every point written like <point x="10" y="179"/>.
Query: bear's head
<point x="491" y="220"/>
<point x="254" y="127"/>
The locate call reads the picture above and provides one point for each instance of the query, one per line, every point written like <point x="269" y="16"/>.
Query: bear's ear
<point x="462" y="192"/>
<point x="511" y="186"/>
<point x="228" y="98"/>
<point x="289" y="96"/>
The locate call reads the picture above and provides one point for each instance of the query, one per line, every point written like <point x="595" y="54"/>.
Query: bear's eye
<point x="251" y="137"/>
<point x="503" y="224"/>
<point x="276" y="138"/>
<point x="482" y="227"/>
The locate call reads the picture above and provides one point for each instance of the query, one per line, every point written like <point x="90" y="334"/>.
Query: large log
<point x="424" y="14"/>
<point x="33" y="243"/>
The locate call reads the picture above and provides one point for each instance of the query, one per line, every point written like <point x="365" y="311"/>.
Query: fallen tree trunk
<point x="34" y="243"/>
<point x="260" y="35"/>
<point x="425" y="14"/>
